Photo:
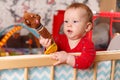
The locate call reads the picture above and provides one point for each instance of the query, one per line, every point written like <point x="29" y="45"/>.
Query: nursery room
<point x="59" y="40"/>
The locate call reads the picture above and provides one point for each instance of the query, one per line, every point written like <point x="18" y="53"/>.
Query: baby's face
<point x="75" y="23"/>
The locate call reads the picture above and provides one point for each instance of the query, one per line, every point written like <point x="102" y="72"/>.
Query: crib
<point x="40" y="67"/>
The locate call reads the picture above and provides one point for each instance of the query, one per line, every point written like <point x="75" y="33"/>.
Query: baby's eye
<point x="75" y="21"/>
<point x="65" y="21"/>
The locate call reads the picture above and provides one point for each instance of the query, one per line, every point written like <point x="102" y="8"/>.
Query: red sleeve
<point x="87" y="56"/>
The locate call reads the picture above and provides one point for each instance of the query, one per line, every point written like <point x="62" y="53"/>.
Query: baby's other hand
<point x="60" y="56"/>
<point x="45" y="42"/>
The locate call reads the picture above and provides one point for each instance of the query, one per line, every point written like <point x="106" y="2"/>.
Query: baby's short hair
<point x="81" y="5"/>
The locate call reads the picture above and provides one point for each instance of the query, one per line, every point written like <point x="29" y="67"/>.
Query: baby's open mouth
<point x="69" y="31"/>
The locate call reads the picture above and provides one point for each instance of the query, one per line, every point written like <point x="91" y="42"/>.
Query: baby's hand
<point x="61" y="56"/>
<point x="45" y="42"/>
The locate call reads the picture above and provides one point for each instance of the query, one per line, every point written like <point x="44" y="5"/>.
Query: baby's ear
<point x="89" y="27"/>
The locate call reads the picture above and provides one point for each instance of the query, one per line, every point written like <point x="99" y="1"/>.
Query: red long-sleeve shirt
<point x="85" y="47"/>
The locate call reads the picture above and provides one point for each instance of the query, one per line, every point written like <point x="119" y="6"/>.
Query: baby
<point x="77" y="24"/>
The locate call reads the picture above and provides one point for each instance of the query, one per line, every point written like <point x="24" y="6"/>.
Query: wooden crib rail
<point x="23" y="61"/>
<point x="26" y="61"/>
<point x="107" y="55"/>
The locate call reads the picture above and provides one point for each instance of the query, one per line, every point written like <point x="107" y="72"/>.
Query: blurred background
<point x="11" y="12"/>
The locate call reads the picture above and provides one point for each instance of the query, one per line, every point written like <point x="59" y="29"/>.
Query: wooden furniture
<point x="110" y="6"/>
<point x="28" y="61"/>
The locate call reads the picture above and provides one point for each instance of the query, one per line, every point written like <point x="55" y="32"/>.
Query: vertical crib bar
<point x="95" y="71"/>
<point x="75" y="74"/>
<point x="52" y="73"/>
<point x="25" y="73"/>
<point x="112" y="69"/>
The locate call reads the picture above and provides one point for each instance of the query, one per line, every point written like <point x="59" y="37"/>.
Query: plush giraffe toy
<point x="33" y="21"/>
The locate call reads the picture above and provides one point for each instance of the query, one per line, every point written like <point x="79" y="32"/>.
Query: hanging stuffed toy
<point x="33" y="21"/>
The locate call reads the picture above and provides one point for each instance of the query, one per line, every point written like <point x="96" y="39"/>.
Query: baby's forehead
<point x="76" y="11"/>
<point x="79" y="10"/>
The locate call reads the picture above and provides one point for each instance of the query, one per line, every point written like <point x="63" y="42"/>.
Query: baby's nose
<point x="69" y="25"/>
